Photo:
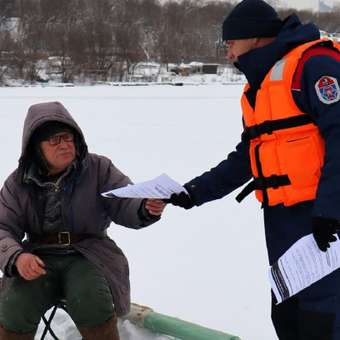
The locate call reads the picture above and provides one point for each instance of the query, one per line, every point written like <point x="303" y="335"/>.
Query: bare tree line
<point x="100" y="39"/>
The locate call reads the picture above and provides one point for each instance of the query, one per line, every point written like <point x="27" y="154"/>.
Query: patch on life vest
<point x="327" y="89"/>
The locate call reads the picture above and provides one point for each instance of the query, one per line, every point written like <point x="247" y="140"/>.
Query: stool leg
<point x="48" y="325"/>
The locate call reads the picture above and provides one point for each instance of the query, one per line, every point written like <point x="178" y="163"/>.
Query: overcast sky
<point x="304" y="4"/>
<point x="298" y="4"/>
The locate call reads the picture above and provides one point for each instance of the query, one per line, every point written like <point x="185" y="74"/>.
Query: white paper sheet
<point x="160" y="187"/>
<point x="302" y="265"/>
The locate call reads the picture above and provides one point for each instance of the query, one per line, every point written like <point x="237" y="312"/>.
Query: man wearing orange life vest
<point x="290" y="147"/>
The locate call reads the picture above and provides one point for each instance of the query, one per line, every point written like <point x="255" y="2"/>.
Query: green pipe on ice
<point x="157" y="323"/>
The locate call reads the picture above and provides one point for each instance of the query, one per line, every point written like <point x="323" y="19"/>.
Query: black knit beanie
<point x="251" y="19"/>
<point x="49" y="129"/>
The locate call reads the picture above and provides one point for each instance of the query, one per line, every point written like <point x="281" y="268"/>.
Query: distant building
<point x="195" y="68"/>
<point x="209" y="68"/>
<point x="144" y="72"/>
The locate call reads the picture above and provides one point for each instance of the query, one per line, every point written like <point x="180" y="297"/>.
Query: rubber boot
<point x="107" y="331"/>
<point x="7" y="335"/>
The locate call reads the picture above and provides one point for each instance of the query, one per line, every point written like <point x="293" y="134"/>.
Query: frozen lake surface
<point x="207" y="265"/>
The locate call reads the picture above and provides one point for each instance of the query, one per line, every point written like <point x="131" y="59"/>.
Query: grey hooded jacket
<point x="84" y="210"/>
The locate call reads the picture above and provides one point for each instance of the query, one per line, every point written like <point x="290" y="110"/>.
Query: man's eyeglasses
<point x="56" y="139"/>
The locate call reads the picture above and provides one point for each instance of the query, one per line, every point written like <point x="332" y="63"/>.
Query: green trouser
<point x="71" y="277"/>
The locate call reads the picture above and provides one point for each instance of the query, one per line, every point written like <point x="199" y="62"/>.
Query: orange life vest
<point x="286" y="148"/>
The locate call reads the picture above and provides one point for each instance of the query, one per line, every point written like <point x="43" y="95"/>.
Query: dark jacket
<point x="284" y="225"/>
<point x="84" y="210"/>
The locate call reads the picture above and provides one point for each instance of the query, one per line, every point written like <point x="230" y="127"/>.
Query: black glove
<point x="324" y="230"/>
<point x="182" y="200"/>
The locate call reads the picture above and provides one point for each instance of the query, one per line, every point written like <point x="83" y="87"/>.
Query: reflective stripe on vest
<point x="277" y="70"/>
<point x="286" y="149"/>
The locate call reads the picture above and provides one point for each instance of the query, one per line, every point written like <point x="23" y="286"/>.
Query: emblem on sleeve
<point x="327" y="89"/>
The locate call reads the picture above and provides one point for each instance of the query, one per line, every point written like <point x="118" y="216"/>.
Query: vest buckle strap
<point x="269" y="126"/>
<point x="258" y="130"/>
<point x="263" y="183"/>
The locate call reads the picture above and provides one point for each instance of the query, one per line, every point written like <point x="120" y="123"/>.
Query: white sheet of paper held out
<point x="302" y="265"/>
<point x="161" y="187"/>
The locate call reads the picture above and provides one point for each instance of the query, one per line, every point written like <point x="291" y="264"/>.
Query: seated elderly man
<point x="53" y="198"/>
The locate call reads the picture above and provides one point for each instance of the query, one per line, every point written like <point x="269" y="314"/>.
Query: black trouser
<point x="292" y="322"/>
<point x="314" y="313"/>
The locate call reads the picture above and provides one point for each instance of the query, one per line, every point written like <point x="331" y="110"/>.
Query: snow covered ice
<point x="65" y="329"/>
<point x="207" y="265"/>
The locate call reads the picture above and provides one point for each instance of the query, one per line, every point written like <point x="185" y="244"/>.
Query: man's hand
<point x="30" y="266"/>
<point x="182" y="200"/>
<point x="324" y="230"/>
<point x="154" y="207"/>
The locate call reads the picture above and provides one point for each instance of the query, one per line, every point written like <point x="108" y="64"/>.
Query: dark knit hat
<point x="251" y="19"/>
<point x="49" y="129"/>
